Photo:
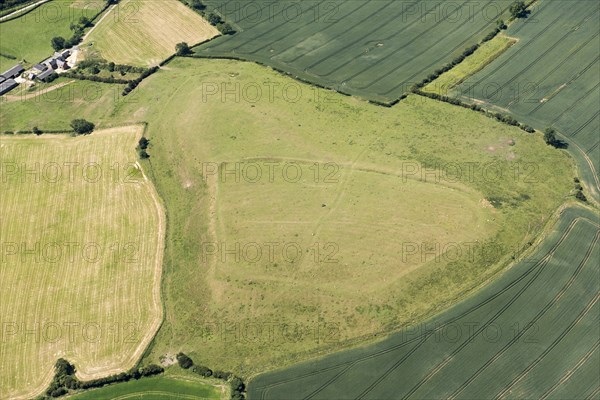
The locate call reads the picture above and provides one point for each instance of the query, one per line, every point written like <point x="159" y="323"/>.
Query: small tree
<point x="143" y="143"/>
<point x="225" y="29"/>
<point x="182" y="49"/>
<point x="82" y="127"/>
<point x="37" y="130"/>
<point x="580" y="196"/>
<point x="184" y="361"/>
<point x="518" y="9"/>
<point x="203" y="371"/>
<point x="85" y="21"/>
<point x="58" y="43"/>
<point x="550" y="136"/>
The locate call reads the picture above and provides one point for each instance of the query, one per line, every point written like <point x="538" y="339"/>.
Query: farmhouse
<point x="7" y="85"/>
<point x="13" y="72"/>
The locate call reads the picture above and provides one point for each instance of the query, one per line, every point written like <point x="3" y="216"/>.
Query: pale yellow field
<point x="142" y="32"/>
<point x="81" y="247"/>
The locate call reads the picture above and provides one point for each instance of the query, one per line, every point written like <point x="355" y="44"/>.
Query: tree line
<point x="65" y="380"/>
<point x="213" y="18"/>
<point x="237" y="385"/>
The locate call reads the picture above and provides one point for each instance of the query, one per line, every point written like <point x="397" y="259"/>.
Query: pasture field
<point x="247" y="314"/>
<point x="139" y="32"/>
<point x="382" y="194"/>
<point x="533" y="333"/>
<point x="53" y="110"/>
<point x="155" y="388"/>
<point x="485" y="54"/>
<point x="28" y="37"/>
<point x="374" y="49"/>
<point x="550" y="78"/>
<point x="81" y="255"/>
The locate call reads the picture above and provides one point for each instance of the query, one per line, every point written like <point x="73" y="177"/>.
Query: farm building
<point x="51" y="62"/>
<point x="62" y="55"/>
<point x="2" y="79"/>
<point x="40" y="67"/>
<point x="44" y="75"/>
<point x="62" y="64"/>
<point x="7" y="85"/>
<point x="13" y="72"/>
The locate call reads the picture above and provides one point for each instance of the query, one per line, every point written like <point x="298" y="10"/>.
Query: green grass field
<point x="139" y="32"/>
<point x="28" y="37"/>
<point x="81" y="256"/>
<point x="550" y="78"/>
<point x="381" y="172"/>
<point x="533" y="333"/>
<point x="373" y="49"/>
<point x="485" y="54"/>
<point x="155" y="388"/>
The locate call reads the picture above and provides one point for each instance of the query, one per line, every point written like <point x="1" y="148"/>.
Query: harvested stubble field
<point x="533" y="333"/>
<point x="376" y="49"/>
<point x="141" y="32"/>
<point x="82" y="240"/>
<point x="550" y="78"/>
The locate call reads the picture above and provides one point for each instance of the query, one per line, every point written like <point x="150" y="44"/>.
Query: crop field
<point x="155" y="388"/>
<point x="374" y="49"/>
<point x="139" y="32"/>
<point x="28" y="37"/>
<point x="81" y="254"/>
<point x="550" y="78"/>
<point x="533" y="333"/>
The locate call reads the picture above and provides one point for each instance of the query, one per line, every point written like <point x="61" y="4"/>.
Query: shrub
<point x="237" y="384"/>
<point x="82" y="127"/>
<point x="61" y="391"/>
<point x="580" y="196"/>
<point x="527" y="128"/>
<point x="222" y="375"/>
<point x="151" y="369"/>
<point x="203" y="371"/>
<point x="213" y="19"/>
<point x="550" y="136"/>
<point x="58" y="43"/>
<point x="518" y="9"/>
<point x="225" y="29"/>
<point x="143" y="143"/>
<point x="182" y="49"/>
<point x="182" y="359"/>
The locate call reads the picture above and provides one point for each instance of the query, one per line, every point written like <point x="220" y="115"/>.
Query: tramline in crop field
<point x="374" y="49"/>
